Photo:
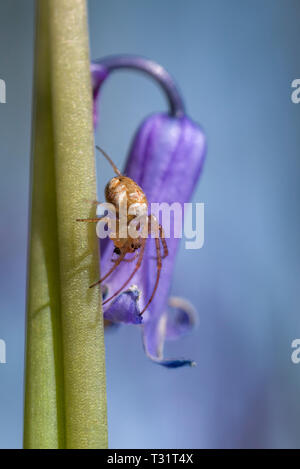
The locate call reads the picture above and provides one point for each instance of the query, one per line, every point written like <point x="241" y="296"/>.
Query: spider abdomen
<point x="120" y="190"/>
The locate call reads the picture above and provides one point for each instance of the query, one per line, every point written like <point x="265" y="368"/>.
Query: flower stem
<point x="104" y="66"/>
<point x="44" y="383"/>
<point x="82" y="321"/>
<point x="77" y="351"/>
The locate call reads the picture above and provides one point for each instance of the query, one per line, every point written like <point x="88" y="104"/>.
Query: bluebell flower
<point x="165" y="159"/>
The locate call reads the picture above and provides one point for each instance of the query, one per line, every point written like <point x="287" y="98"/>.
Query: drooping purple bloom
<point x="165" y="159"/>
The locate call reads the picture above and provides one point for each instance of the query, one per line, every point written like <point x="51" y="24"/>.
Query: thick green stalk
<point x="44" y="384"/>
<point x="64" y="254"/>
<point x="82" y="321"/>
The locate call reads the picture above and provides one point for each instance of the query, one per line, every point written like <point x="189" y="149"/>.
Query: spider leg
<point x="89" y="220"/>
<point x="131" y="259"/>
<point x="93" y="220"/>
<point x="116" y="170"/>
<point x="159" y="265"/>
<point x="138" y="265"/>
<point x="161" y="234"/>
<point x="117" y="262"/>
<point x="163" y="242"/>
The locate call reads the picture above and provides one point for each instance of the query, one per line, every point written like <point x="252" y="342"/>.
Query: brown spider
<point x="121" y="188"/>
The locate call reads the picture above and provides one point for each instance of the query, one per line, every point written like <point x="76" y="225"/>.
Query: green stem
<point x="44" y="419"/>
<point x="65" y="369"/>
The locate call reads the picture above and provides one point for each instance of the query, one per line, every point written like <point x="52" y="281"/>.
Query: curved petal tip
<point x="125" y="308"/>
<point x="181" y="318"/>
<point x="176" y="363"/>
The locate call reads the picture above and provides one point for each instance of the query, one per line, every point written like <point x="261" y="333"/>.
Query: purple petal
<point x="157" y="335"/>
<point x="124" y="308"/>
<point x="182" y="318"/>
<point x="166" y="160"/>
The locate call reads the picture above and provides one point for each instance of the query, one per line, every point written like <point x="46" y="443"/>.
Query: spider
<point x="118" y="188"/>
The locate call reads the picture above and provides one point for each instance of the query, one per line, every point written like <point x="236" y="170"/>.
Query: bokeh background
<point x="234" y="62"/>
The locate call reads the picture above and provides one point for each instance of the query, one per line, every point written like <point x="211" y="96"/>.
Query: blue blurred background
<point x="234" y="62"/>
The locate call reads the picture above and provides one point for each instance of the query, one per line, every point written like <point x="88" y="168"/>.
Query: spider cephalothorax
<point x="124" y="194"/>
